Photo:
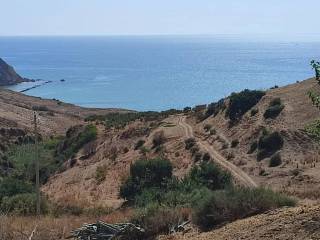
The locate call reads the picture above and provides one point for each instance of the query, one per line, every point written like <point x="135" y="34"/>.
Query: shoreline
<point x="35" y="86"/>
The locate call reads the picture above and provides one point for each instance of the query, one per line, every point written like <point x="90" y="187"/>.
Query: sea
<point x="154" y="73"/>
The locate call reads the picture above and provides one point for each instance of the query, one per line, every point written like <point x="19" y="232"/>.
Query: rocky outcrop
<point x="8" y="75"/>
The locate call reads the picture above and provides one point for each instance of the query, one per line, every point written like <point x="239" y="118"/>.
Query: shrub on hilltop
<point x="242" y="102"/>
<point x="274" y="109"/>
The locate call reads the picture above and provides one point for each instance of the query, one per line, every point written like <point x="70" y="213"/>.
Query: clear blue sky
<point x="146" y="17"/>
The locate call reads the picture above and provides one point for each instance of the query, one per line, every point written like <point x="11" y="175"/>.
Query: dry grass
<point x="50" y="228"/>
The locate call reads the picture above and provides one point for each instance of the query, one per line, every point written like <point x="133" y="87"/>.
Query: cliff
<point x="8" y="75"/>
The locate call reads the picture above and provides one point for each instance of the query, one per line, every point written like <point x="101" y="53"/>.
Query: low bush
<point x="213" y="131"/>
<point x="101" y="172"/>
<point x="234" y="143"/>
<point x="207" y="127"/>
<point x="268" y="144"/>
<point x="158" y="220"/>
<point x="197" y="156"/>
<point x="40" y="108"/>
<point x="254" y="112"/>
<point x="190" y="142"/>
<point x="210" y="175"/>
<point x="274" y="109"/>
<point x="139" y="144"/>
<point x="146" y="174"/>
<point x="158" y="139"/>
<point x="195" y="149"/>
<point x="253" y="147"/>
<point x="76" y="137"/>
<point x="215" y="108"/>
<point x="22" y="204"/>
<point x="242" y="102"/>
<point x="11" y="186"/>
<point x="206" y="157"/>
<point x="224" y="206"/>
<point x="275" y="160"/>
<point x="313" y="129"/>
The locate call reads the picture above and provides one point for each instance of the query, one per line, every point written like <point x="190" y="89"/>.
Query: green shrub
<point x="268" y="144"/>
<point x="253" y="147"/>
<point x="241" y="102"/>
<point x="40" y="108"/>
<point x="139" y="144"/>
<point x="22" y="204"/>
<point x="197" y="156"/>
<point x="275" y="160"/>
<point x="234" y="143"/>
<point x="313" y="129"/>
<point x="215" y="108"/>
<point x="207" y="127"/>
<point x="274" y="109"/>
<point x="158" y="220"/>
<point x="195" y="149"/>
<point x="158" y="139"/>
<point x="206" y="157"/>
<point x="236" y="203"/>
<point x="210" y="175"/>
<point x="213" y="131"/>
<point x="254" y="112"/>
<point x="76" y="137"/>
<point x="190" y="142"/>
<point x="11" y="186"/>
<point x="101" y="172"/>
<point x="153" y="173"/>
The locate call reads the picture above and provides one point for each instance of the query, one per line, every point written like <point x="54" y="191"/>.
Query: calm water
<point x="154" y="73"/>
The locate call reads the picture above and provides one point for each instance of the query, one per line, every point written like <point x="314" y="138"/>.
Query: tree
<point x="316" y="66"/>
<point x="315" y="98"/>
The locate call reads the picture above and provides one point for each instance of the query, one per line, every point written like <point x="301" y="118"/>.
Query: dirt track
<point x="237" y="173"/>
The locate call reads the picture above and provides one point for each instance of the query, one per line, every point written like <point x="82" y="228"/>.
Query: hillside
<point x="91" y="173"/>
<point x="8" y="75"/>
<point x="293" y="223"/>
<point x="297" y="174"/>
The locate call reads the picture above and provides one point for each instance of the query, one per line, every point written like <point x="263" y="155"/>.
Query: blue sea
<point x="154" y="72"/>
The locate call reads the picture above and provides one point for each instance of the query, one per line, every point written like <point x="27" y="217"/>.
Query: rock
<point x="8" y="75"/>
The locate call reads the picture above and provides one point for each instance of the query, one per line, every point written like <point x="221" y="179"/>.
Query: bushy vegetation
<point x="120" y="120"/>
<point x="234" y="143"/>
<point x="158" y="139"/>
<point x="253" y="147"/>
<point x="189" y="143"/>
<point x="275" y="160"/>
<point x="313" y="129"/>
<point x="146" y="174"/>
<point x="76" y="137"/>
<point x="22" y="204"/>
<point x="139" y="144"/>
<point x="215" y="107"/>
<point x="254" y="112"/>
<point x="40" y="108"/>
<point x="242" y="102"/>
<point x="268" y="144"/>
<point x="274" y="109"/>
<point x="101" y="172"/>
<point x="235" y="203"/>
<point x="16" y="182"/>
<point x="207" y="127"/>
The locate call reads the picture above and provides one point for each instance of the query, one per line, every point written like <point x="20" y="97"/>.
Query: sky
<point x="168" y="17"/>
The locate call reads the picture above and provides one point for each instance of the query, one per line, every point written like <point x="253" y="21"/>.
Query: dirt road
<point x="236" y="172"/>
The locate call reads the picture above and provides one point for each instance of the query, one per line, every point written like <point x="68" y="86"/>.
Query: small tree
<point x="316" y="66"/>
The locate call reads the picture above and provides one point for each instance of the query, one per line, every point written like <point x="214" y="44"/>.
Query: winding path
<point x="237" y="173"/>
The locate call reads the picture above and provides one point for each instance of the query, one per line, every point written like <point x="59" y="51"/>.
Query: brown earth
<point x="298" y="223"/>
<point x="16" y="111"/>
